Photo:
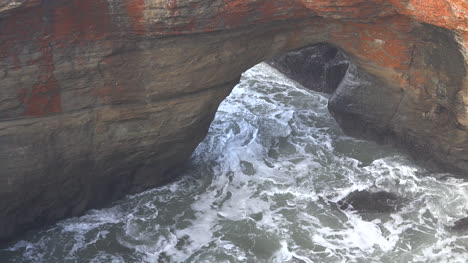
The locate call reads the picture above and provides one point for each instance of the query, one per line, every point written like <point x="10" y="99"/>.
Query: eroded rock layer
<point x="100" y="98"/>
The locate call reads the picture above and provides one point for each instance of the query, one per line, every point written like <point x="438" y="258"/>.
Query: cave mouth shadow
<point x="362" y="104"/>
<point x="320" y="67"/>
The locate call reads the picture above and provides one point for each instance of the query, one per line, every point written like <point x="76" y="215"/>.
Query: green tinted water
<point x="261" y="188"/>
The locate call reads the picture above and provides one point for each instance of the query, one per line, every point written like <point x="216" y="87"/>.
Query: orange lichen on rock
<point x="451" y="14"/>
<point x="82" y="20"/>
<point x="45" y="94"/>
<point x="241" y="12"/>
<point x="134" y="85"/>
<point x="235" y="11"/>
<point x="372" y="30"/>
<point x="281" y="10"/>
<point x="25" y="26"/>
<point x="41" y="97"/>
<point x="381" y="43"/>
<point x="44" y="99"/>
<point x="350" y="9"/>
<point x="135" y="10"/>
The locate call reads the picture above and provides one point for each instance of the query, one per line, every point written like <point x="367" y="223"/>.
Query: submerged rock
<point x="371" y="202"/>
<point x="100" y="98"/>
<point x="461" y="224"/>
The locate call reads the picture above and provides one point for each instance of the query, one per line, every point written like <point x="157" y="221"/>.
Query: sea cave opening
<point x="275" y="180"/>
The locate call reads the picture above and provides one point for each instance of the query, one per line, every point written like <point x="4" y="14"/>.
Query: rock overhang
<point x="99" y="98"/>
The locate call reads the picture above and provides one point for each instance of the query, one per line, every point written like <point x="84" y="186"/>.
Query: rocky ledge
<point x="367" y="106"/>
<point x="101" y="98"/>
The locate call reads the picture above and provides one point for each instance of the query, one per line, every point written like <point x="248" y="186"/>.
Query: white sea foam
<point x="261" y="188"/>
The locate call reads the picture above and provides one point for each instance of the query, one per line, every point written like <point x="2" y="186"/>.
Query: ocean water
<point x="261" y="188"/>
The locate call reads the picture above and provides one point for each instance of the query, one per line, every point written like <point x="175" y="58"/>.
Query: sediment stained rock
<point x="102" y="98"/>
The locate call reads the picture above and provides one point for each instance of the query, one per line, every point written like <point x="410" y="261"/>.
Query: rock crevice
<point x="84" y="114"/>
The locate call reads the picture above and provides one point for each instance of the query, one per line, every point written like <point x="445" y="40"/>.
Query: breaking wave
<point x="261" y="188"/>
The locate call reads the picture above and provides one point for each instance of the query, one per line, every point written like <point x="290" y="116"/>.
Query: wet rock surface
<point x="320" y="67"/>
<point x="103" y="98"/>
<point x="371" y="202"/>
<point x="368" y="105"/>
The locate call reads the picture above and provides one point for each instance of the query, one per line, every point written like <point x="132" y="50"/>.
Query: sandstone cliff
<point x="100" y="98"/>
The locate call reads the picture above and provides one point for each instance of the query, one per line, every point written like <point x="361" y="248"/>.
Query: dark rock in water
<point x="373" y="202"/>
<point x="319" y="67"/>
<point x="105" y="103"/>
<point x="461" y="224"/>
<point x="364" y="106"/>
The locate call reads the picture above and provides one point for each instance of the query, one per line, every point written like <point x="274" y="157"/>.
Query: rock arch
<point x="99" y="98"/>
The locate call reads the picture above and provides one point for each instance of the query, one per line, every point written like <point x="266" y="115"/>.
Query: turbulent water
<point x="261" y="188"/>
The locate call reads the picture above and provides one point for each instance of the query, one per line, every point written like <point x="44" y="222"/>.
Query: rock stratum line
<point x="101" y="98"/>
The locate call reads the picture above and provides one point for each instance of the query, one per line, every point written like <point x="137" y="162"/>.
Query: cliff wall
<point x="100" y="98"/>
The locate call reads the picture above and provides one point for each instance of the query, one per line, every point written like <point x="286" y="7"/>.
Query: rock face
<point x="320" y="67"/>
<point x="367" y="106"/>
<point x="100" y="98"/>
